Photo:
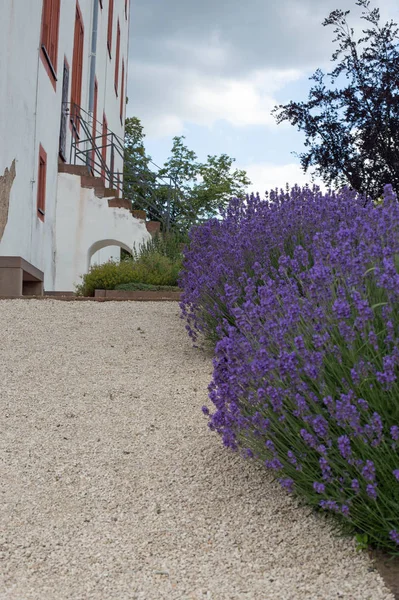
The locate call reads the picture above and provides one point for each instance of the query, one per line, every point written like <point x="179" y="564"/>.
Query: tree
<point x="203" y="188"/>
<point x="184" y="191"/>
<point x="352" y="130"/>
<point x="139" y="181"/>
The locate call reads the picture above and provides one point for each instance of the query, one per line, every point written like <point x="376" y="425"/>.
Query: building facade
<point x="63" y="73"/>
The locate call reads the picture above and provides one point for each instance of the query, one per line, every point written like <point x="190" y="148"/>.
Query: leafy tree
<point x="184" y="190"/>
<point x="352" y="130"/>
<point x="139" y="181"/>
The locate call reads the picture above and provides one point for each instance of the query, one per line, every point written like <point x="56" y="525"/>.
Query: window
<point x="77" y="67"/>
<point x="41" y="183"/>
<point x="122" y="105"/>
<point x="117" y="57"/>
<point x="110" y="23"/>
<point x="49" y="37"/>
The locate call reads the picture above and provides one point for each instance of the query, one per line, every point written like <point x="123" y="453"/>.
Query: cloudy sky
<point x="213" y="71"/>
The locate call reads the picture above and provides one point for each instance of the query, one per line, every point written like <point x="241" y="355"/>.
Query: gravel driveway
<point x="114" y="489"/>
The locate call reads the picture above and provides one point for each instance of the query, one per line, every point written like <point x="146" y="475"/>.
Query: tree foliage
<point x="352" y="129"/>
<point x="183" y="191"/>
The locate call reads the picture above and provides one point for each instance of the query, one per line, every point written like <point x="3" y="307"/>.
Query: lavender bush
<point x="300" y="294"/>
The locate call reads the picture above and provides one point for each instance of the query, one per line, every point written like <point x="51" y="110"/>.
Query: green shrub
<point x="151" y="269"/>
<point x="168" y="244"/>
<point x="105" y="277"/>
<point x="146" y="287"/>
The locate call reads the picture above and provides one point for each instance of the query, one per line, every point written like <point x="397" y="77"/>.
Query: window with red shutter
<point x="49" y="37"/>
<point x="122" y="104"/>
<point x="41" y="183"/>
<point x="117" y="57"/>
<point x="110" y="25"/>
<point x="77" y="66"/>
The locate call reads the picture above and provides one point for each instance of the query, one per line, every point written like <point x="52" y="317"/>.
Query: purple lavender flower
<point x="308" y="438"/>
<point x="325" y="469"/>
<point x="345" y="510"/>
<point x="395" y="433"/>
<point x="368" y="471"/>
<point x="394" y="536"/>
<point x="320" y="426"/>
<point x="205" y="410"/>
<point x="329" y="505"/>
<point x="320" y="488"/>
<point x="344" y="446"/>
<point x="396" y="474"/>
<point x="371" y="490"/>
<point x="287" y="484"/>
<point x="274" y="464"/>
<point x="355" y="485"/>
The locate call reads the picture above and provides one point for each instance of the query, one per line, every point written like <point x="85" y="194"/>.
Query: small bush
<point x="132" y="287"/>
<point x="105" y="277"/>
<point x="168" y="244"/>
<point x="152" y="269"/>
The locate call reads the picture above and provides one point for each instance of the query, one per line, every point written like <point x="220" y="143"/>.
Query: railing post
<point x="111" y="175"/>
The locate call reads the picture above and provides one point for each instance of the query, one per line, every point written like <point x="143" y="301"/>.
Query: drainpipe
<point x="92" y="68"/>
<point x="93" y="56"/>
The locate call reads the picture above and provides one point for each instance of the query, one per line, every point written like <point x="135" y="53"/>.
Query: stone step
<point x="88" y="181"/>
<point x="81" y="170"/>
<point x="119" y="203"/>
<point x="110" y="193"/>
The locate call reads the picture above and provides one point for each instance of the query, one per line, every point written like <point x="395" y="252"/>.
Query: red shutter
<point x="117" y="57"/>
<point x="77" y="62"/>
<point x="122" y="104"/>
<point x="49" y="37"/>
<point x="54" y="28"/>
<point x="110" y="25"/>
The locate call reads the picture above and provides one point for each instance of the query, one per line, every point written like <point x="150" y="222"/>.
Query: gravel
<point x="113" y="486"/>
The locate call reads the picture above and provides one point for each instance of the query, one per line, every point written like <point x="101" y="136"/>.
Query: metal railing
<point x="99" y="152"/>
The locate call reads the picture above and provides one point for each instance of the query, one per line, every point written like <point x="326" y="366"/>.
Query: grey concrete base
<point x="19" y="278"/>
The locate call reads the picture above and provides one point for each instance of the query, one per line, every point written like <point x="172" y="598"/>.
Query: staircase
<point x="87" y="180"/>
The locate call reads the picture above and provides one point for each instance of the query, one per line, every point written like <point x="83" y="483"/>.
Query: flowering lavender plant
<point x="300" y="292"/>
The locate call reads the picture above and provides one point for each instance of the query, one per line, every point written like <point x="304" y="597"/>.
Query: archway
<point x="105" y="250"/>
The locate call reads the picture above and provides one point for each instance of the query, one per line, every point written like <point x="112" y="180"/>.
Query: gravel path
<point x="114" y="489"/>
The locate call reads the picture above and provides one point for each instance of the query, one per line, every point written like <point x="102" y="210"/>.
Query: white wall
<point x="110" y="253"/>
<point x="85" y="225"/>
<point x="31" y="113"/>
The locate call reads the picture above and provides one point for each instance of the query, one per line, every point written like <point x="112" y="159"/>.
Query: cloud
<point x="200" y="62"/>
<point x="268" y="176"/>
<point x="204" y="99"/>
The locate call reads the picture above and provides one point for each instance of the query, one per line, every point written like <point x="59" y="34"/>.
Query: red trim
<point x="77" y="62"/>
<point x="104" y="144"/>
<point x="117" y="57"/>
<point x="41" y="183"/>
<point x="110" y="25"/>
<point x="123" y="99"/>
<point x="49" y="38"/>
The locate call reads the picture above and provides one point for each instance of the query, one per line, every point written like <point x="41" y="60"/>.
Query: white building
<point x="63" y="73"/>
